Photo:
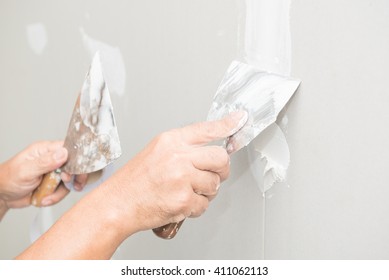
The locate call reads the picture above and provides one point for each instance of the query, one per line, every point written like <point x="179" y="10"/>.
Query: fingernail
<point x="217" y="187"/>
<point x="59" y="154"/>
<point x="46" y="202"/>
<point x="240" y="118"/>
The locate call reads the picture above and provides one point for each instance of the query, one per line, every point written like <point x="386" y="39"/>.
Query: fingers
<point x="211" y="158"/>
<point x="205" y="132"/>
<point x="191" y="205"/>
<point x="55" y="197"/>
<point x="206" y="183"/>
<point x="42" y="162"/>
<point x="199" y="205"/>
<point x="213" y="165"/>
<point x="47" y="146"/>
<point x="80" y="181"/>
<point x="66" y="177"/>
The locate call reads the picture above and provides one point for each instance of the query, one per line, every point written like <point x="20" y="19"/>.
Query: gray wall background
<point x="175" y="53"/>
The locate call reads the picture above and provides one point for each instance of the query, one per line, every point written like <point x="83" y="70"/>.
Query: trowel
<point x="245" y="87"/>
<point x="92" y="139"/>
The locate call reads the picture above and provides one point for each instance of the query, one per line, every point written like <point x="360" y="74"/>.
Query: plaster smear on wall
<point x="269" y="153"/>
<point x="266" y="45"/>
<point x="37" y="37"/>
<point x="112" y="61"/>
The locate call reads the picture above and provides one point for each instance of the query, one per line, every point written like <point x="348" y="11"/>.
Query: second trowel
<point x="260" y="93"/>
<point x="92" y="139"/>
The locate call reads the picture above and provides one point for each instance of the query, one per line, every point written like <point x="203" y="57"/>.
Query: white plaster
<point x="271" y="155"/>
<point x="37" y="37"/>
<point x="267" y="35"/>
<point x="99" y="145"/>
<point x="95" y="102"/>
<point x="261" y="94"/>
<point x="267" y="45"/>
<point x="112" y="60"/>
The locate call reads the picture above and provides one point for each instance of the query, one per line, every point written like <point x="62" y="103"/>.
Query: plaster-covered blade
<point x="244" y="87"/>
<point x="261" y="94"/>
<point x="92" y="139"/>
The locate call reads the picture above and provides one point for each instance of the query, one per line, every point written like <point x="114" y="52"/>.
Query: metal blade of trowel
<point x="92" y="138"/>
<point x="260" y="93"/>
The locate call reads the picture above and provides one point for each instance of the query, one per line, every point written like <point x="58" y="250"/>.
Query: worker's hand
<point x="20" y="175"/>
<point x="174" y="177"/>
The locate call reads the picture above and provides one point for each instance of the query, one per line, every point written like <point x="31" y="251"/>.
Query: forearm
<point x="88" y="231"/>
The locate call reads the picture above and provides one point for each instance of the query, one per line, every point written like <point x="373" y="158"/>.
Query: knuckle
<point x="186" y="197"/>
<point x="164" y="137"/>
<point x="167" y="138"/>
<point x="175" y="157"/>
<point x="179" y="168"/>
<point x="161" y="141"/>
<point x="166" y="141"/>
<point x="184" y="202"/>
<point x="177" y="174"/>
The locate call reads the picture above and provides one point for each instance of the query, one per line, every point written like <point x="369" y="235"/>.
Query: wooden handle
<point x="48" y="185"/>
<point x="168" y="231"/>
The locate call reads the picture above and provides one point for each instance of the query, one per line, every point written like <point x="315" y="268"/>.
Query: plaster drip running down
<point x="266" y="44"/>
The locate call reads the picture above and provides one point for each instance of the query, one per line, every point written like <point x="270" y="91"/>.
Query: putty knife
<point x="260" y="93"/>
<point x="92" y="139"/>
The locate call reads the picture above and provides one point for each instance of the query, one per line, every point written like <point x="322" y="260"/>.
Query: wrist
<point x="116" y="211"/>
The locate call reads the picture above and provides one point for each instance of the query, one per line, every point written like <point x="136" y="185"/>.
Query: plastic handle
<point x="168" y="231"/>
<point x="48" y="185"/>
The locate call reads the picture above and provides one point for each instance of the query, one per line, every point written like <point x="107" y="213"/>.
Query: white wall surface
<point x="338" y="202"/>
<point x="175" y="53"/>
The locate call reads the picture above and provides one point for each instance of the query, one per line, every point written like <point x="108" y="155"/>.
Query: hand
<point x="20" y="175"/>
<point x="174" y="177"/>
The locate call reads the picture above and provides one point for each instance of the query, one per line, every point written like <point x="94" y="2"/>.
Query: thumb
<point x="205" y="132"/>
<point x="44" y="163"/>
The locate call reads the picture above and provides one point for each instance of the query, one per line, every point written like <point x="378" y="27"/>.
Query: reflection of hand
<point x="20" y="175"/>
